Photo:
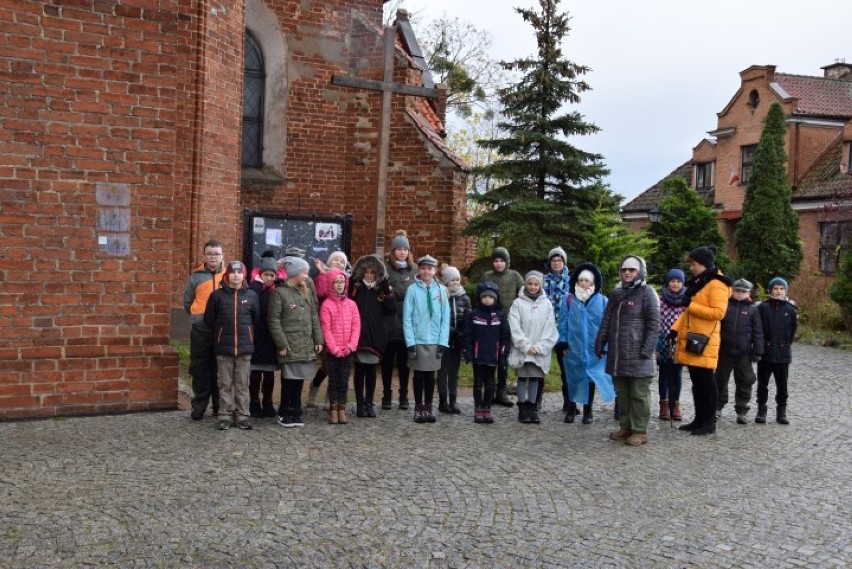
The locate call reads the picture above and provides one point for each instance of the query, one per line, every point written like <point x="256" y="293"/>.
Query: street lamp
<point x="655" y="215"/>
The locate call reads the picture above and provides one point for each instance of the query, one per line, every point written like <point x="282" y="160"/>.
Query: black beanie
<point x="705" y="255"/>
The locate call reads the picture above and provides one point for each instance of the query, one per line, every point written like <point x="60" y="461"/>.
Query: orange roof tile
<point x="818" y="96"/>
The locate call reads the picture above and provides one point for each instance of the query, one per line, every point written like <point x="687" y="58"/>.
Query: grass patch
<point x="808" y="334"/>
<point x="553" y="381"/>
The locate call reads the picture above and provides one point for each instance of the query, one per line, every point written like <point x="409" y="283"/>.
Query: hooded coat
<point x="532" y="324"/>
<point x="708" y="295"/>
<point x="294" y="323"/>
<point x="509" y="281"/>
<point x="400" y="278"/>
<point x="374" y="304"/>
<point x="578" y="329"/>
<point x="231" y="314"/>
<point x="339" y="318"/>
<point x="628" y="332"/>
<point x="486" y="331"/>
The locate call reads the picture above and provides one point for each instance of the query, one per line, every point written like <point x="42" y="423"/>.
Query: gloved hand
<point x="439" y="352"/>
<point x="385" y="287"/>
<point x="412" y="353"/>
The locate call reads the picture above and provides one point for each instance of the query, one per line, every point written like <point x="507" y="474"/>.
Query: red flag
<point x="734" y="178"/>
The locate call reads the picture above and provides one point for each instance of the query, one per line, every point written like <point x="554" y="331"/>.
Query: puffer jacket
<point x="780" y="321"/>
<point x="459" y="309"/>
<point x="509" y="281"/>
<point x="532" y="324"/>
<point x="231" y="315"/>
<point x="374" y="304"/>
<point x="264" y="347"/>
<point x="294" y="323"/>
<point x="742" y="331"/>
<point x="199" y="286"/>
<point x="628" y="332"/>
<point x="418" y="325"/>
<point x="400" y="279"/>
<point x="708" y="293"/>
<point x="339" y="318"/>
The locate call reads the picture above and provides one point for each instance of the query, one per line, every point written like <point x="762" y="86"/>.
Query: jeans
<point x="671" y="381"/>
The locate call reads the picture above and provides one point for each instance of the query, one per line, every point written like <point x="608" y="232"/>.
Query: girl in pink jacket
<point x="341" y="327"/>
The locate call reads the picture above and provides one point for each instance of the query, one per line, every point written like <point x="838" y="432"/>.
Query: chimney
<point x="838" y="70"/>
<point x="440" y="104"/>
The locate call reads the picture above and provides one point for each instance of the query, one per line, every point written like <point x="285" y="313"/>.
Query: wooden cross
<point x="387" y="88"/>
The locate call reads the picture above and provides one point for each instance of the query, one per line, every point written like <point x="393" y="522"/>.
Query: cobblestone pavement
<point x="158" y="490"/>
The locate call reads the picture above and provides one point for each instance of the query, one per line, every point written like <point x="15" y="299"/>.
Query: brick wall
<point x="88" y="90"/>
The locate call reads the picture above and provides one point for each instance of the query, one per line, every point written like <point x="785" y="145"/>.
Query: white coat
<point x="532" y="323"/>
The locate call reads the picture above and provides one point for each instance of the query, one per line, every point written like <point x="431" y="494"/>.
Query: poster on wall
<point x="317" y="236"/>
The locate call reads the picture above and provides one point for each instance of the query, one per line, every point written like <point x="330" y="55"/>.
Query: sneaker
<point x="255" y="410"/>
<point x="269" y="409"/>
<point x="298" y="418"/>
<point x="286" y="421"/>
<point x="223" y="425"/>
<point x="245" y="424"/>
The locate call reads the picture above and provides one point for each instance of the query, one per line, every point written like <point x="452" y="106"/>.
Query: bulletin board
<point x="318" y="236"/>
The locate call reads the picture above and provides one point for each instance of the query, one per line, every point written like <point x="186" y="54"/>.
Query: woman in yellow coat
<point x="706" y="303"/>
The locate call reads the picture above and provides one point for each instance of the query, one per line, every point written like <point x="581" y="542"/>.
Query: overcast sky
<point x="662" y="69"/>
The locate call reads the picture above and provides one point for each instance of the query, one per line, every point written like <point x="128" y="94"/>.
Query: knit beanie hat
<point x="449" y="273"/>
<point x="631" y="263"/>
<point x="269" y="264"/>
<point x="500" y="253"/>
<point x="777" y="281"/>
<point x="295" y="266"/>
<point x="675" y="274"/>
<point x="534" y="275"/>
<point x="557" y="252"/>
<point x="705" y="255"/>
<point x="337" y="254"/>
<point x="400" y="241"/>
<point x="586" y="274"/>
<point x="742" y="284"/>
<point x="488" y="292"/>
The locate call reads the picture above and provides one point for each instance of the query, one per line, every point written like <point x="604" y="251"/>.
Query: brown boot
<point x="332" y="414"/>
<point x="341" y="414"/>
<point x="636" y="439"/>
<point x="664" y="410"/>
<point x="676" y="415"/>
<point x="620" y="434"/>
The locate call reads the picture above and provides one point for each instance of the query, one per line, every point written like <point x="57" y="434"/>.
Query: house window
<point x="704" y="176"/>
<point x="747" y="168"/>
<point x="753" y="99"/>
<point x="835" y="239"/>
<point x="254" y="80"/>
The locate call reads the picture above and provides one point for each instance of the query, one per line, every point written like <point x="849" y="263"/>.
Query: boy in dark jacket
<point x="741" y="344"/>
<point x="231" y="314"/>
<point x="780" y="319"/>
<point x="486" y="343"/>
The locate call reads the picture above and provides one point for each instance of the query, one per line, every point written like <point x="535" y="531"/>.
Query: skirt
<point x="297" y="370"/>
<point x="427" y="358"/>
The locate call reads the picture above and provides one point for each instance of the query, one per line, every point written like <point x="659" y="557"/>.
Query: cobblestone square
<point x="159" y="490"/>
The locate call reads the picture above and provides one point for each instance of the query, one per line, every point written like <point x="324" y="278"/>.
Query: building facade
<point x="135" y="130"/>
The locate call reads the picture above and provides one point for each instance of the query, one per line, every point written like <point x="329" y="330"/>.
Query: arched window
<point x="254" y="79"/>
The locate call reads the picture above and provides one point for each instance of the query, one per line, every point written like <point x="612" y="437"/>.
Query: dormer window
<point x="753" y="99"/>
<point x="703" y="176"/>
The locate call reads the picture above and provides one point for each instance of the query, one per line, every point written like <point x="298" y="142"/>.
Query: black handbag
<point x="695" y="342"/>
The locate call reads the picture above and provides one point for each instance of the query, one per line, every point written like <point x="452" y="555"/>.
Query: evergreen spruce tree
<point x="543" y="188"/>
<point x="767" y="237"/>
<point x="611" y="240"/>
<point x="687" y="223"/>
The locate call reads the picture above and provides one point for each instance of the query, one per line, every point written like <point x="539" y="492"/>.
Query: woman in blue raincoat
<point x="578" y="328"/>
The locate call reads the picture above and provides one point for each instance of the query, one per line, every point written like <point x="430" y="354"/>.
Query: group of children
<point x="283" y="320"/>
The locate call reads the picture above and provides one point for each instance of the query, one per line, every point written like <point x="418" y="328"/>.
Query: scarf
<point x="531" y="296"/>
<point x="671" y="298"/>
<point x="369" y="284"/>
<point x="457" y="290"/>
<point x="584" y="294"/>
<point x="401" y="264"/>
<point x="697" y="283"/>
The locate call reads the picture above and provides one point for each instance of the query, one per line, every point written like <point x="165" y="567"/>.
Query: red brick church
<point x="135" y="130"/>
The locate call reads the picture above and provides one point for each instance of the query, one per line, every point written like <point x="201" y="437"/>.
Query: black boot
<point x="453" y="405"/>
<point x="443" y="407"/>
<point x="571" y="413"/>
<point x="501" y="399"/>
<point x="587" y="414"/>
<point x="691" y="426"/>
<point x="360" y="408"/>
<point x="255" y="410"/>
<point x="371" y="409"/>
<point x="761" y="414"/>
<point x="532" y="410"/>
<point x="523" y="415"/>
<point x="781" y="415"/>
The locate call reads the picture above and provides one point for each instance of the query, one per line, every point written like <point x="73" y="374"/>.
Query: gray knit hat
<point x="295" y="266"/>
<point x="400" y="241"/>
<point x="557" y="252"/>
<point x="269" y="264"/>
<point x="534" y="275"/>
<point x="742" y="284"/>
<point x="449" y="273"/>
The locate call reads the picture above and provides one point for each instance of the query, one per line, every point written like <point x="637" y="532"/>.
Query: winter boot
<point x="332" y="415"/>
<point x="675" y="411"/>
<point x="453" y="405"/>
<point x="360" y="408"/>
<point x="532" y="409"/>
<point x="386" y="402"/>
<point x="781" y="415"/>
<point x="430" y="416"/>
<point x="371" y="409"/>
<point x="419" y="414"/>
<point x="341" y="414"/>
<point x="761" y="414"/>
<point x="523" y="416"/>
<point x="268" y="408"/>
<point x="478" y="416"/>
<point x="487" y="417"/>
<point x="500" y="398"/>
<point x="312" y="396"/>
<point x="664" y="410"/>
<point x="587" y="415"/>
<point x="443" y="406"/>
<point x="571" y="413"/>
<point x="255" y="410"/>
